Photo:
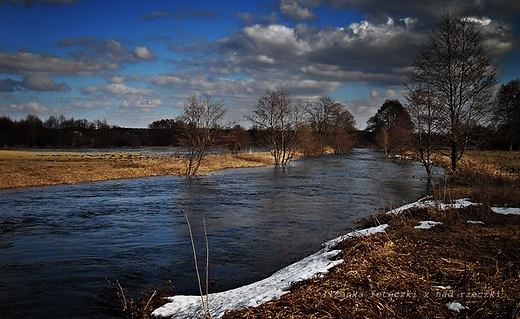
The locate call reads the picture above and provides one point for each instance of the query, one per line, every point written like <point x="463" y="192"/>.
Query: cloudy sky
<point x="133" y="62"/>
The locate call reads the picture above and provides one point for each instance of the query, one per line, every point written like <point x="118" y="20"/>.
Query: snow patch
<point x="265" y="290"/>
<point x="475" y="222"/>
<point x="427" y="224"/>
<point x="443" y="287"/>
<point x="506" y="210"/>
<point x="455" y="306"/>
<point x="357" y="233"/>
<point x="427" y="202"/>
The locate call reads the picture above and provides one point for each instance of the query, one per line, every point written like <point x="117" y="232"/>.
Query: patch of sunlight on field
<point x="504" y="159"/>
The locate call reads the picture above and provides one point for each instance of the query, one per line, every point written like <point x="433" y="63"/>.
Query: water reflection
<point x="57" y="244"/>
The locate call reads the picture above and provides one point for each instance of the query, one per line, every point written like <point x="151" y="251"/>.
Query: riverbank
<point x="21" y="168"/>
<point x="431" y="261"/>
<point x="460" y="261"/>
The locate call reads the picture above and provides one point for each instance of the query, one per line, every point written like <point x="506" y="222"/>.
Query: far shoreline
<point x="46" y="167"/>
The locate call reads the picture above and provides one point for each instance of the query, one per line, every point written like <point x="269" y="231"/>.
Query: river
<point x="59" y="243"/>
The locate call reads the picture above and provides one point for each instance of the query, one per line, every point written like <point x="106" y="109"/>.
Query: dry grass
<point x="39" y="168"/>
<point x="504" y="161"/>
<point x="492" y="178"/>
<point x="403" y="273"/>
<point x="145" y="304"/>
<point x="241" y="160"/>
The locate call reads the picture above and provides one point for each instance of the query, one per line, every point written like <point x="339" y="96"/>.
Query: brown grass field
<point x="40" y="168"/>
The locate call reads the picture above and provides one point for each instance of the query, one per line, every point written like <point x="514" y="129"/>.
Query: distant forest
<point x="61" y="132"/>
<point x="69" y="133"/>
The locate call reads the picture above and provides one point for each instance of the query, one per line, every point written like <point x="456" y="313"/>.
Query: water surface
<point x="59" y="243"/>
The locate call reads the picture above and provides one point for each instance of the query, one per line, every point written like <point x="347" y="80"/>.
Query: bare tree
<point x="310" y="143"/>
<point x="507" y="111"/>
<point x="276" y="113"/>
<point x="332" y="122"/>
<point x="383" y="139"/>
<point x="202" y="118"/>
<point x="426" y="118"/>
<point x="392" y="126"/>
<point x="455" y="67"/>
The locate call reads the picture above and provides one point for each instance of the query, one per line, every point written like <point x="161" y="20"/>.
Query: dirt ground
<point x="40" y="168"/>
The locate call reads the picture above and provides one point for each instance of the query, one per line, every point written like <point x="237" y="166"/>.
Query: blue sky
<point x="133" y="62"/>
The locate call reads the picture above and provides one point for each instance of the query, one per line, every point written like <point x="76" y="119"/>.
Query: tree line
<point x="61" y="132"/>
<point x="284" y="126"/>
<point x="316" y="127"/>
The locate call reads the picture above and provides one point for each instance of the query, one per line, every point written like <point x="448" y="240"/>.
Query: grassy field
<point x="39" y="168"/>
<point x="507" y="161"/>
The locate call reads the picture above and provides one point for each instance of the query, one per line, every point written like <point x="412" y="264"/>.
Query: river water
<point x="59" y="243"/>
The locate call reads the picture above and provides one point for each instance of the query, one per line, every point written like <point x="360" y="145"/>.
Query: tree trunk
<point x="453" y="157"/>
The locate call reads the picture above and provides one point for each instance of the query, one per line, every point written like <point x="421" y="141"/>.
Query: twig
<point x="149" y="300"/>
<point x="120" y="293"/>
<point x="205" y="305"/>
<point x="208" y="315"/>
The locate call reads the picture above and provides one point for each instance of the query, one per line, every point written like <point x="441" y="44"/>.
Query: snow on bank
<point x="427" y="224"/>
<point x="506" y="210"/>
<point x="262" y="291"/>
<point x="427" y="202"/>
<point x="361" y="232"/>
<point x="459" y="203"/>
<point x="279" y="283"/>
<point x="455" y="306"/>
<point x="475" y="222"/>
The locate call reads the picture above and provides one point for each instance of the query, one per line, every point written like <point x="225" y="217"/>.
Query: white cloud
<point x="40" y="82"/>
<point x="24" y="63"/>
<point x="333" y="72"/>
<point x="361" y="52"/>
<point x="117" y="79"/>
<point x="116" y="89"/>
<point x="136" y="102"/>
<point x="262" y="58"/>
<point x="108" y="50"/>
<point x="166" y="79"/>
<point x="31" y="107"/>
<point x="143" y="53"/>
<point x="89" y="105"/>
<point x="427" y="10"/>
<point x="276" y="39"/>
<point x="384" y="35"/>
<point x="293" y="10"/>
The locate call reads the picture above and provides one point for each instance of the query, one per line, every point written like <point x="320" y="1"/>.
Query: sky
<point x="134" y="62"/>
